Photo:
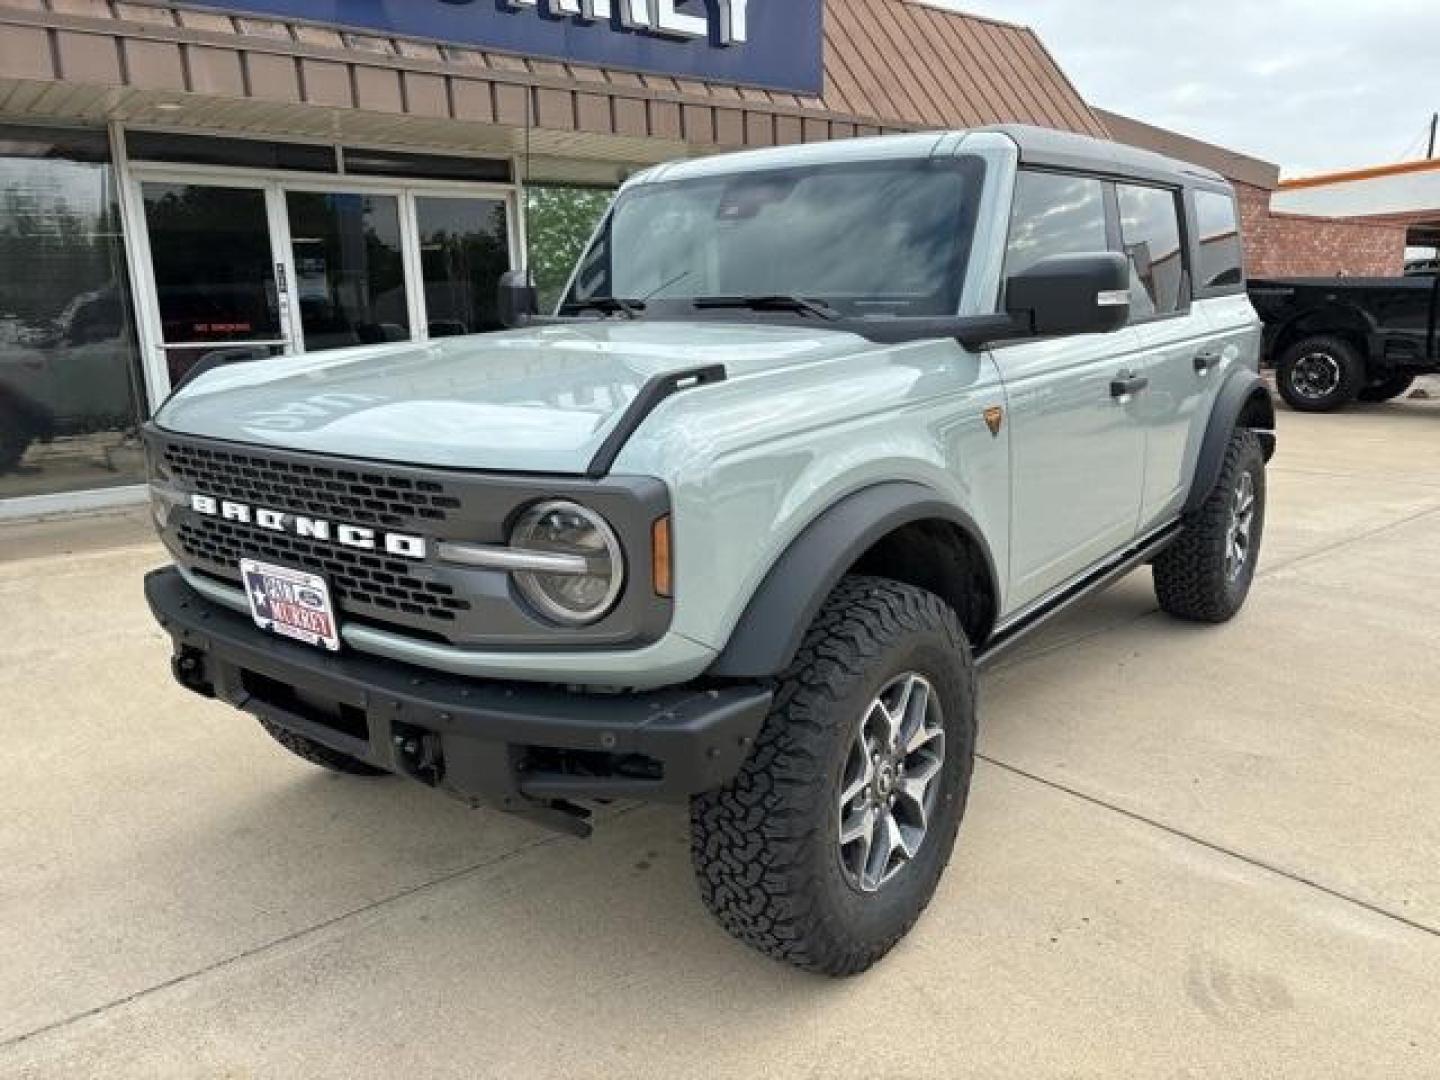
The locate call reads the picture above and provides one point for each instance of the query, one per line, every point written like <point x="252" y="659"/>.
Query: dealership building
<point x="178" y="178"/>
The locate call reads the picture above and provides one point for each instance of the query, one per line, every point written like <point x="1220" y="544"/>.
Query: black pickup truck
<point x="1333" y="341"/>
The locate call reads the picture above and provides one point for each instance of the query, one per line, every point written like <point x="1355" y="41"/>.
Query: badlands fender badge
<point x="994" y="419"/>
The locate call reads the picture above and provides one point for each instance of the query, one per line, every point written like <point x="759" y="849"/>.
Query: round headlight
<point x="589" y="568"/>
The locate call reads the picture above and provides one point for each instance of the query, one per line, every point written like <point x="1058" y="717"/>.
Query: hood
<point x="541" y="400"/>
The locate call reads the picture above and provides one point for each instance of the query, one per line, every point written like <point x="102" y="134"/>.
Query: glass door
<point x="464" y="250"/>
<point x="349" y="257"/>
<point x="217" y="290"/>
<point x="249" y="266"/>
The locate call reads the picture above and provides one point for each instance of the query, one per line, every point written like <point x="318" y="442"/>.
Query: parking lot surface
<point x="1189" y="852"/>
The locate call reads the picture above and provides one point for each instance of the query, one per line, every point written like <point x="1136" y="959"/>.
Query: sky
<point x="1312" y="85"/>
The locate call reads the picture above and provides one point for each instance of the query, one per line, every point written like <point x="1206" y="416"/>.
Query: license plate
<point x="291" y="602"/>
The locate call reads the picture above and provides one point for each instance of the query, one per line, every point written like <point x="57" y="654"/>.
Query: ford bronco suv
<point x="813" y="432"/>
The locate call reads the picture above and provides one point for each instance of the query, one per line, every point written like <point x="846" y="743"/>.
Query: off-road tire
<point x="765" y="847"/>
<point x="317" y="754"/>
<point x="1191" y="580"/>
<point x="1388" y="388"/>
<point x="1347" y="359"/>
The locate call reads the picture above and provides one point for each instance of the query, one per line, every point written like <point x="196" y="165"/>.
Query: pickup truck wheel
<point x="828" y="845"/>
<point x="1205" y="575"/>
<point x="1320" y="374"/>
<point x="316" y="754"/>
<point x="1388" y="388"/>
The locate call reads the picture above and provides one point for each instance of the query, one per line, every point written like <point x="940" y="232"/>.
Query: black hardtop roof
<point x="1048" y="148"/>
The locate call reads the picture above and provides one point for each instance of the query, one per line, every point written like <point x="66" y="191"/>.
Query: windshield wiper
<point x="778" y="302"/>
<point x="631" y="309"/>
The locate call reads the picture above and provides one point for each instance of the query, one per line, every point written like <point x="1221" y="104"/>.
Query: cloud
<point x="1312" y="85"/>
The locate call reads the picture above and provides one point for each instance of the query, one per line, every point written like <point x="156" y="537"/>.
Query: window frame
<point x="1183" y="209"/>
<point x="1107" y="202"/>
<point x="1114" y="234"/>
<point x="1193" y="216"/>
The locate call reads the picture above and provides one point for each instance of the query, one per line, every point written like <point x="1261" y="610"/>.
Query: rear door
<point x="1077" y="449"/>
<point x="1180" y="361"/>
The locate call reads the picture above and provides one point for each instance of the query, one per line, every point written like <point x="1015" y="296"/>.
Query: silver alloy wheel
<point x="1239" y="536"/>
<point x="890" y="784"/>
<point x="1316" y="376"/>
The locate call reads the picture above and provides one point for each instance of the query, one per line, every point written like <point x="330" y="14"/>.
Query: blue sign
<point x="777" y="44"/>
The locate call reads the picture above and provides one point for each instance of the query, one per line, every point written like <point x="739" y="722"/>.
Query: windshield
<point x="867" y="239"/>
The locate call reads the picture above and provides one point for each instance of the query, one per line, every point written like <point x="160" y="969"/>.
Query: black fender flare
<point x="769" y="632"/>
<point x="1244" y="392"/>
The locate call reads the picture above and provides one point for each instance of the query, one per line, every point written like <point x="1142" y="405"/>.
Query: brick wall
<point x="1290" y="245"/>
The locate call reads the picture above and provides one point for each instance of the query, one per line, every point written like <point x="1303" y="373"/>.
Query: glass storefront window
<point x="464" y="249"/>
<point x="70" y="390"/>
<point x="349" y="270"/>
<point x="559" y="223"/>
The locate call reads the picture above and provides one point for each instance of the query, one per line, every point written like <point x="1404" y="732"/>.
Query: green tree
<point x="559" y="222"/>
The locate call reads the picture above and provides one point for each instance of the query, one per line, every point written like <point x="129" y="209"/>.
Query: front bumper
<point x="521" y="747"/>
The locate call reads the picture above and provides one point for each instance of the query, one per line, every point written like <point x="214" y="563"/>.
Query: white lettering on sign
<point x="661" y="17"/>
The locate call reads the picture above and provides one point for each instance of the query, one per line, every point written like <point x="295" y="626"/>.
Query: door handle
<point x="1205" y="361"/>
<point x="1125" y="385"/>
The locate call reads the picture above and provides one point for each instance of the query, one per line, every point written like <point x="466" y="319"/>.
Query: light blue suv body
<point x="735" y="457"/>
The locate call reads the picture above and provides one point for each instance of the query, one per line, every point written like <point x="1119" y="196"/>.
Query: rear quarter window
<point x="1218" y="225"/>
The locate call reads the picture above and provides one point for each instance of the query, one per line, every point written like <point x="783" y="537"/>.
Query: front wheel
<point x="828" y="845"/>
<point x="1206" y="574"/>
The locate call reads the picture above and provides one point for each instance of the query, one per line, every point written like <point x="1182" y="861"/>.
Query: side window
<point x="1219" y="229"/>
<point x="1150" y="229"/>
<point x="1054" y="214"/>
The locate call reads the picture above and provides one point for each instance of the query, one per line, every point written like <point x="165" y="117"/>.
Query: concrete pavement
<point x="1190" y="852"/>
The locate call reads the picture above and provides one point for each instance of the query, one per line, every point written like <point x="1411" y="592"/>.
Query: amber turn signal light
<point x="660" y="570"/>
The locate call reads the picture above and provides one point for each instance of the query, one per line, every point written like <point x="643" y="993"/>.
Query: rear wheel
<point x="316" y="754"/>
<point x="1320" y="374"/>
<point x="828" y="845"/>
<point x="1205" y="575"/>
<point x="1387" y="388"/>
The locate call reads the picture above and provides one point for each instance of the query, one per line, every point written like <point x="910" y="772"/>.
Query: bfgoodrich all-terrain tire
<point x="1206" y="574"/>
<point x="827" y="847"/>
<point x="316" y="754"/>
<point x="1320" y="374"/>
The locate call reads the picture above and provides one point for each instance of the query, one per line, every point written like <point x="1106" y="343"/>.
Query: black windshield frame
<point x="595" y="271"/>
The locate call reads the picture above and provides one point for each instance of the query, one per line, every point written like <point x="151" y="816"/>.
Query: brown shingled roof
<point x="907" y="63"/>
<point x="890" y="65"/>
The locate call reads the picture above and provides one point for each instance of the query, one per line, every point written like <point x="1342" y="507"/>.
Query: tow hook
<point x="189" y="668"/>
<point x="418" y="754"/>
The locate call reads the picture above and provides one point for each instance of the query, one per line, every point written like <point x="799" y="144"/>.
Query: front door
<point x="1077" y="447"/>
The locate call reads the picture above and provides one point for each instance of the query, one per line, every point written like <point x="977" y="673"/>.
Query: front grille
<point x="361" y="497"/>
<point x="427" y="599"/>
<point x="363" y="583"/>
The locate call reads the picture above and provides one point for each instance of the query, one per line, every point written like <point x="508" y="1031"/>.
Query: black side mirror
<point x="518" y="302"/>
<point x="1071" y="294"/>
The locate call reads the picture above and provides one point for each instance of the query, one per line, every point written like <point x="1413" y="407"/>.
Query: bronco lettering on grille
<point x="350" y="536"/>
